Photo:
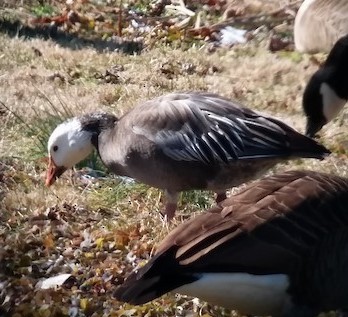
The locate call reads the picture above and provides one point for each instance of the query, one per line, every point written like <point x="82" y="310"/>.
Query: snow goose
<point x="181" y="141"/>
<point x="279" y="248"/>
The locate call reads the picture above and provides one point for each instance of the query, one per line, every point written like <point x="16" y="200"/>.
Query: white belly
<point x="249" y="294"/>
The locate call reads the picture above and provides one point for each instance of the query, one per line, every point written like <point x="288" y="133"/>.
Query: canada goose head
<point x="326" y="94"/>
<point x="73" y="140"/>
<point x="313" y="106"/>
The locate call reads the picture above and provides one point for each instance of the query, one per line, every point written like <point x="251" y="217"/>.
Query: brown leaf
<point x="277" y="43"/>
<point x="48" y="242"/>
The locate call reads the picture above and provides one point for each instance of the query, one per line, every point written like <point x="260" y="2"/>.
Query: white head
<point x="67" y="145"/>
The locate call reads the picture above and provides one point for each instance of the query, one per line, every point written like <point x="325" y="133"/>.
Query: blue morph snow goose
<point x="278" y="248"/>
<point x="319" y="24"/>
<point x="181" y="141"/>
<point x="327" y="90"/>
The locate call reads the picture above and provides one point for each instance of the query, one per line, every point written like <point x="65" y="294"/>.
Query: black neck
<point x="337" y="78"/>
<point x="336" y="67"/>
<point x="338" y="54"/>
<point x="96" y="122"/>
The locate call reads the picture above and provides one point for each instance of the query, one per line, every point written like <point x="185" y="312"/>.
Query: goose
<point x="278" y="248"/>
<point x="180" y="141"/>
<point x="319" y="24"/>
<point x="326" y="92"/>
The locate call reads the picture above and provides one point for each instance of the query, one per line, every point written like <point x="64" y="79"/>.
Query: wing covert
<point x="210" y="129"/>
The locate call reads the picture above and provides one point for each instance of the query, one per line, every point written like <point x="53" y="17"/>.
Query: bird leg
<point x="220" y="196"/>
<point x="170" y="211"/>
<point x="171" y="205"/>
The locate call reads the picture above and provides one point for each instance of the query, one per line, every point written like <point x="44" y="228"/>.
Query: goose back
<point x="290" y="211"/>
<point x="281" y="224"/>
<point x="198" y="141"/>
<point x="319" y="24"/>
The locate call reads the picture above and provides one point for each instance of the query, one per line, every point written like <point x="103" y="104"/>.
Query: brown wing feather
<point x="265" y="229"/>
<point x="290" y="204"/>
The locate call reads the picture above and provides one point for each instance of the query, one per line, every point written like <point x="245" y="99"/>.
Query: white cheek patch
<point x="332" y="104"/>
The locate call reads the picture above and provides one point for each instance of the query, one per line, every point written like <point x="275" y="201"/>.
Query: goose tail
<point x="138" y="291"/>
<point x="159" y="276"/>
<point x="306" y="147"/>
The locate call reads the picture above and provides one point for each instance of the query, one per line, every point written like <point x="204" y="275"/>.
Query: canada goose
<point x="279" y="248"/>
<point x="327" y="91"/>
<point x="181" y="141"/>
<point x="319" y="24"/>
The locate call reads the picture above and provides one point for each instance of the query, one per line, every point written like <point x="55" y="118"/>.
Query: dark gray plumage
<point x="180" y="142"/>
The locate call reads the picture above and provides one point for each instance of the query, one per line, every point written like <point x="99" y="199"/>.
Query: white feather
<point x="246" y="293"/>
<point x="72" y="142"/>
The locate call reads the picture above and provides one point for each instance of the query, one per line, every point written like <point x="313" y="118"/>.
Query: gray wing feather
<point x="209" y="129"/>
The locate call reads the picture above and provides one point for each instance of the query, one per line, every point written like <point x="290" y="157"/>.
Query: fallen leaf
<point x="48" y="242"/>
<point x="53" y="281"/>
<point x="84" y="303"/>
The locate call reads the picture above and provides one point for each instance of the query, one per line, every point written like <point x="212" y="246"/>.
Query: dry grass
<point x="119" y="217"/>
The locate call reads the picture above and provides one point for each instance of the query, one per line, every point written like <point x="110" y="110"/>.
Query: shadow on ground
<point x="74" y="42"/>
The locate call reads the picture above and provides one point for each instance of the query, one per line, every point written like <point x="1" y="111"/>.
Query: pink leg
<point x="220" y="196"/>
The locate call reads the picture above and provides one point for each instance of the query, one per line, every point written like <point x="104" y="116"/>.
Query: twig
<point x="181" y="8"/>
<point x="119" y="28"/>
<point x="247" y="19"/>
<point x="198" y="20"/>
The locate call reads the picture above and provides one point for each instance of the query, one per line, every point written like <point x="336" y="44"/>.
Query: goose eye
<point x="55" y="148"/>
